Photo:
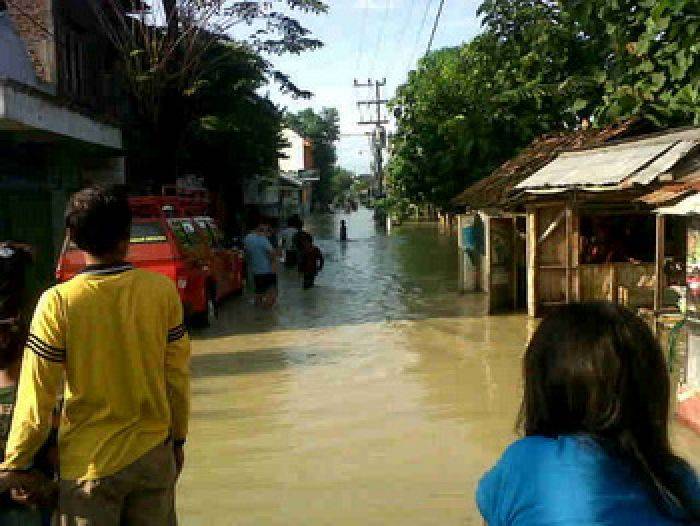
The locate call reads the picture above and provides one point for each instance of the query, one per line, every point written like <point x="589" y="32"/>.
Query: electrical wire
<point x="435" y="26"/>
<point x="402" y="37"/>
<point x="380" y="36"/>
<point x="362" y="37"/>
<point x="412" y="56"/>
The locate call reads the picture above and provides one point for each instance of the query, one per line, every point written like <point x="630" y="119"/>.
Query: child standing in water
<point x="595" y="416"/>
<point x="29" y="489"/>
<point x="311" y="261"/>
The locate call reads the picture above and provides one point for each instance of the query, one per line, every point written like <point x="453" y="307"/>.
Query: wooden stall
<point x="503" y="264"/>
<point x="592" y="234"/>
<point x="558" y="272"/>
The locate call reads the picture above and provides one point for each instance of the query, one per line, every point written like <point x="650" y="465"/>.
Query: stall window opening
<point x="617" y="238"/>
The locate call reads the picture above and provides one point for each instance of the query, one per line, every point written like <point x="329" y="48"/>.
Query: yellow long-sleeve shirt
<point x="113" y="339"/>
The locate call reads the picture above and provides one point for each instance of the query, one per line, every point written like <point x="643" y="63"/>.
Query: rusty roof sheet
<point x="493" y="190"/>
<point x="639" y="161"/>
<point x="671" y="192"/>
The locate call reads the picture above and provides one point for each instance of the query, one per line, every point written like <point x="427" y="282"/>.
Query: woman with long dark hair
<point x="595" y="416"/>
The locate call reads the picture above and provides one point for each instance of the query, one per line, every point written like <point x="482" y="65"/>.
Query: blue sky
<point x="369" y="39"/>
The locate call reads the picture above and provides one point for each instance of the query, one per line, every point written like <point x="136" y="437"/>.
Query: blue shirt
<point x="260" y="252"/>
<point x="568" y="481"/>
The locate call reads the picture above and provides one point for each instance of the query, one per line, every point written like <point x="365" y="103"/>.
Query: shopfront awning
<point x="24" y="108"/>
<point x="688" y="206"/>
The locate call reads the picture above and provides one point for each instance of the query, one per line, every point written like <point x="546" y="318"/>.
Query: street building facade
<point x="58" y="120"/>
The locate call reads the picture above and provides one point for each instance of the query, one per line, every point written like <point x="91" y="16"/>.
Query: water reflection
<point x="377" y="398"/>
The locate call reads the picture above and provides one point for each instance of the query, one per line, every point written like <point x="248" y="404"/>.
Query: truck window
<point x="143" y="233"/>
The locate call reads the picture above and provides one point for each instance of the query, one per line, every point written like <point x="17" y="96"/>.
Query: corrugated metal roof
<point x="634" y="162"/>
<point x="493" y="190"/>
<point x="689" y="205"/>
<point x="664" y="163"/>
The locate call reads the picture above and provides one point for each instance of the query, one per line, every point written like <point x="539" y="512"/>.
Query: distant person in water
<point x="262" y="260"/>
<point x="595" y="416"/>
<point x="311" y="260"/>
<point x="289" y="241"/>
<point x="343" y="230"/>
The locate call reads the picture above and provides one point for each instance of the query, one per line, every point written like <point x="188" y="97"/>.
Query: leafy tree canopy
<point x="539" y="66"/>
<point x="342" y="182"/>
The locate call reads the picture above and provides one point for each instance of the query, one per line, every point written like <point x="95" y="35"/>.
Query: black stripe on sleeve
<point x="35" y="346"/>
<point x="45" y="345"/>
<point x="38" y="344"/>
<point x="176" y="333"/>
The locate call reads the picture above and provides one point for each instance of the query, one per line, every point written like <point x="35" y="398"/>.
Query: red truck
<point x="172" y="235"/>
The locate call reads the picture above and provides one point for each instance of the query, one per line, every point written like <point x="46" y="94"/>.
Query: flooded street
<point x="377" y="398"/>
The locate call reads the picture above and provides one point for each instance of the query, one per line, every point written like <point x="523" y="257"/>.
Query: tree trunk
<point x="171" y="16"/>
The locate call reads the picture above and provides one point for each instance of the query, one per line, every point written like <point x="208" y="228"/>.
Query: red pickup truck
<point x="174" y="237"/>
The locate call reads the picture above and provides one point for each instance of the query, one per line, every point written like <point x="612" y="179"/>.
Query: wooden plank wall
<point x="552" y="256"/>
<point x="628" y="283"/>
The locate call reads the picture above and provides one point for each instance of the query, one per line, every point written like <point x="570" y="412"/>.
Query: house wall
<point x="294" y="153"/>
<point x="35" y="182"/>
<point x="34" y="22"/>
<point x="47" y="151"/>
<point x="15" y="62"/>
<point x="309" y="163"/>
<point x="23" y="109"/>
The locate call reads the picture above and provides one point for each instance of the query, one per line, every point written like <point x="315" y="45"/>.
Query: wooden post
<point x="575" y="253"/>
<point x="660" y="257"/>
<point x="569" y="248"/>
<point x="531" y="250"/>
<point x="514" y="269"/>
<point x="487" y="255"/>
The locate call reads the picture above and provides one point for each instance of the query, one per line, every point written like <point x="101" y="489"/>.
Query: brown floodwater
<point x="379" y="397"/>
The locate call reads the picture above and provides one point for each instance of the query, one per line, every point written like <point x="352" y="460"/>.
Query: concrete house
<point x="297" y="174"/>
<point x="58" y="107"/>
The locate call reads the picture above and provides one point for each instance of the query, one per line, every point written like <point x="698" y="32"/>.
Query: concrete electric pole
<point x="379" y="132"/>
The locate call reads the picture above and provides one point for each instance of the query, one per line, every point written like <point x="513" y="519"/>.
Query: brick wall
<point x="33" y="20"/>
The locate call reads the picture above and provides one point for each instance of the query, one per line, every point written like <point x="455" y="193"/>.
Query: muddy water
<point x="377" y="398"/>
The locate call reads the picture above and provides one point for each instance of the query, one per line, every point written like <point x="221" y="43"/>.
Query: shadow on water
<point x="255" y="361"/>
<point x="410" y="274"/>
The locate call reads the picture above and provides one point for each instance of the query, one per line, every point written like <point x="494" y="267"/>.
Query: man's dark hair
<point x="98" y="219"/>
<point x="596" y="369"/>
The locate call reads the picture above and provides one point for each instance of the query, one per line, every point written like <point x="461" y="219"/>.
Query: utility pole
<point x="379" y="132"/>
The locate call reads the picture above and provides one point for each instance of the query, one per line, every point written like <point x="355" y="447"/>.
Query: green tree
<point x="323" y="130"/>
<point x="540" y="66"/>
<point x="648" y="60"/>
<point x="166" y="55"/>
<point x="234" y="133"/>
<point x="342" y="182"/>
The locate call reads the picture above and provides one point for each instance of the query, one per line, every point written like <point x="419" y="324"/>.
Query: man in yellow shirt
<point x="113" y="340"/>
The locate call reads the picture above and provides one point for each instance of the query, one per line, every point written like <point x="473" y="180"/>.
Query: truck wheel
<point x="207" y="317"/>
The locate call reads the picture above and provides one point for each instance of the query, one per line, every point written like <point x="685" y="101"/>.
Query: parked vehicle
<point x="174" y="237"/>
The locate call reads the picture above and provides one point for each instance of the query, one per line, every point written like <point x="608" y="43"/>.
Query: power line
<point x="418" y="34"/>
<point x="380" y="36"/>
<point x="435" y="26"/>
<point x="402" y="36"/>
<point x="362" y="38"/>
